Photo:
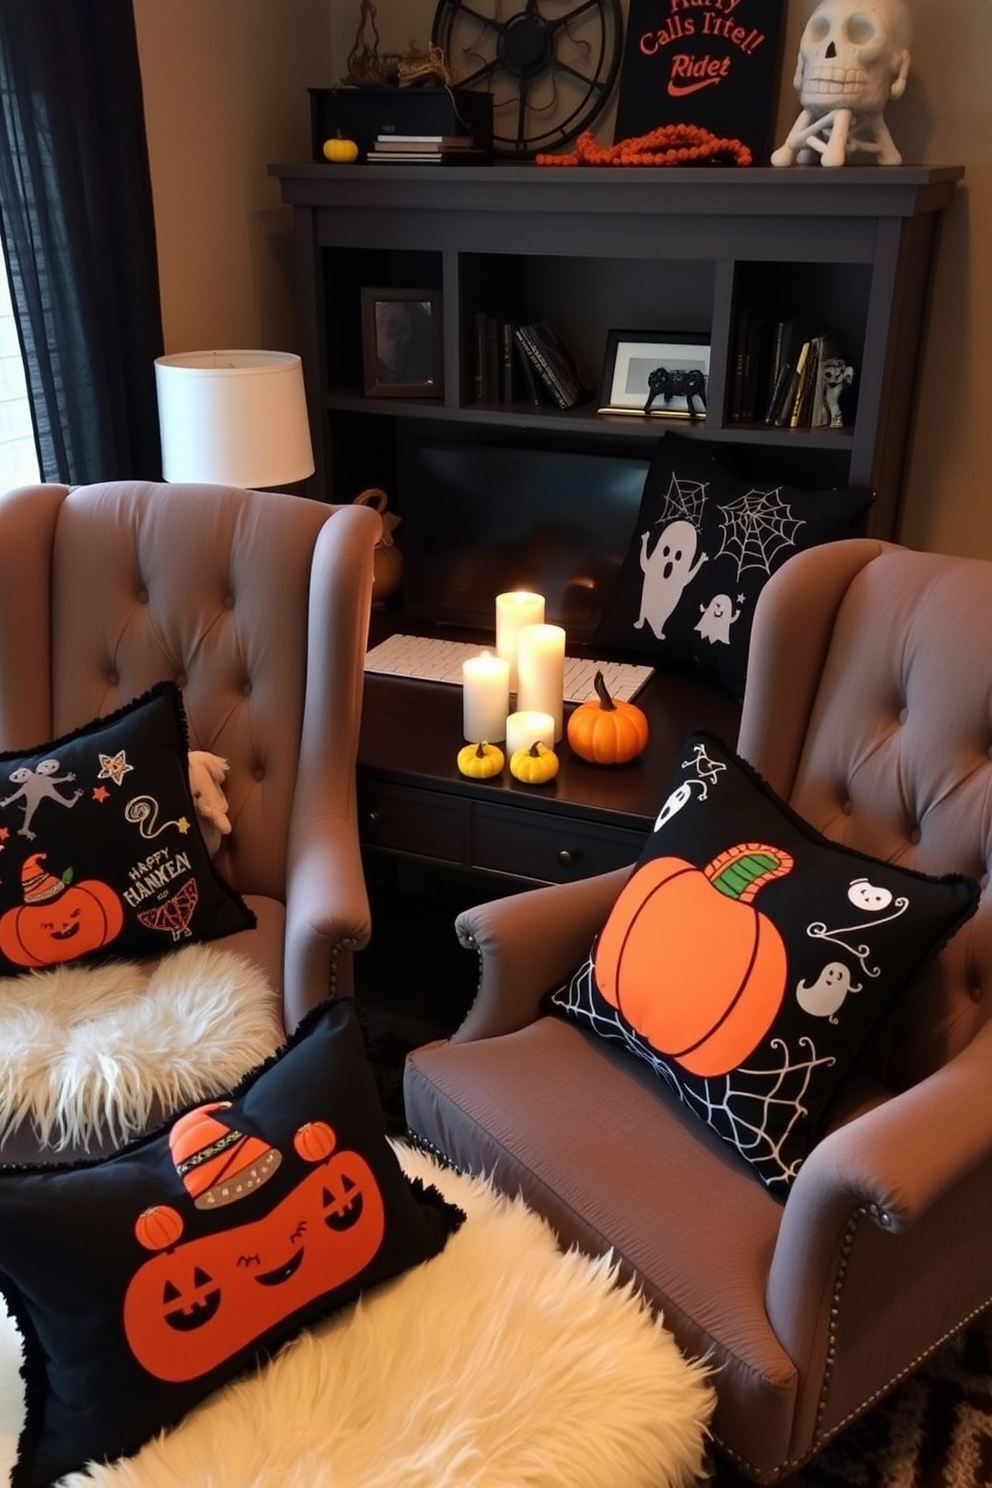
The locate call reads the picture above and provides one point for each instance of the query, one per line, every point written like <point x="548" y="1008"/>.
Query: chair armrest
<point x="903" y="1164"/>
<point x="527" y="943"/>
<point x="327" y="914"/>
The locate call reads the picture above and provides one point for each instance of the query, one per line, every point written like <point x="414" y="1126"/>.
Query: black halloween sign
<point x="711" y="63"/>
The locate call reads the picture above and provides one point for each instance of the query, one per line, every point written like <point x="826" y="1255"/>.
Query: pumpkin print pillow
<point x="101" y="852"/>
<point x="705" y="543"/>
<point x="143" y="1281"/>
<point x="747" y="957"/>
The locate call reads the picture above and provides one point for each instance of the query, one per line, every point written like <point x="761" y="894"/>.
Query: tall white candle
<point x="524" y="729"/>
<point x="517" y="608"/>
<point x="485" y="697"/>
<point x="541" y="671"/>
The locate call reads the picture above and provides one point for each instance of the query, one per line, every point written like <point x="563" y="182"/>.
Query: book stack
<point x="796" y="392"/>
<point x="517" y="361"/>
<point x="427" y="149"/>
<point x="548" y="366"/>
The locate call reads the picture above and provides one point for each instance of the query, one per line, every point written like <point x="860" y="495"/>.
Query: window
<point x="18" y="456"/>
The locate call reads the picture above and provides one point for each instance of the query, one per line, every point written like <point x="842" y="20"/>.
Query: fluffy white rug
<point x="501" y="1363"/>
<point x="87" y="1050"/>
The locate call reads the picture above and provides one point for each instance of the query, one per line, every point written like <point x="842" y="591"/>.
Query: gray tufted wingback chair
<point x="257" y="605"/>
<point x="869" y="707"/>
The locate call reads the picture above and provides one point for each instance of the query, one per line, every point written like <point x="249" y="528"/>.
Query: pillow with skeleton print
<point x="100" y="848"/>
<point x="705" y="543"/>
<point x="748" y="957"/>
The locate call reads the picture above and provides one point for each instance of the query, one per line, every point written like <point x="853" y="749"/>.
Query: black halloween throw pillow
<point x="101" y="852"/>
<point x="748" y="957"/>
<point x="705" y="544"/>
<point x="143" y="1281"/>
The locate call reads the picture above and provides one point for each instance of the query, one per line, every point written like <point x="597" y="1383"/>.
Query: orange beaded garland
<point x="670" y="144"/>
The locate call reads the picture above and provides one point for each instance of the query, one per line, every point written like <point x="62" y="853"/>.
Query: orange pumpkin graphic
<point x="689" y="961"/>
<point x="58" y="921"/>
<point x="195" y="1304"/>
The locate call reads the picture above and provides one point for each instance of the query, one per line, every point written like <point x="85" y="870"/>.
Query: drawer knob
<point x="569" y="856"/>
<point x="373" y="818"/>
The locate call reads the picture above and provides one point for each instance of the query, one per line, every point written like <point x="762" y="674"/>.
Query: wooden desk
<point x="414" y="804"/>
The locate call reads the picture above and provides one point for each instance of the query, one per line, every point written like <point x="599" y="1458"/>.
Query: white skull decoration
<point x="853" y="58"/>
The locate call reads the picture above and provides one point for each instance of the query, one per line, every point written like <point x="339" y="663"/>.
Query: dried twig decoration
<point x="367" y="67"/>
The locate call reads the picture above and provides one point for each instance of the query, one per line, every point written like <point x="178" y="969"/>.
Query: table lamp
<point x="236" y="418"/>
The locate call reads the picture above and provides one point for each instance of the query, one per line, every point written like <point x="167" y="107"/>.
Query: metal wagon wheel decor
<point x="550" y="65"/>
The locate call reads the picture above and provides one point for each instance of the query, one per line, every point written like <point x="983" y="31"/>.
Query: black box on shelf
<point x="362" y="114"/>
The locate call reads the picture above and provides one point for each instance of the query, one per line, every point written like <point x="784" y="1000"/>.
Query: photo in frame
<point x="401" y="343"/>
<point x="657" y="373"/>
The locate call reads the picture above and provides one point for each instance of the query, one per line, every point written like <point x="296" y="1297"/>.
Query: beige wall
<point x="225" y="93"/>
<point x="225" y="88"/>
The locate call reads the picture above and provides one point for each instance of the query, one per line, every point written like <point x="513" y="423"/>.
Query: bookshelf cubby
<point x="599" y="249"/>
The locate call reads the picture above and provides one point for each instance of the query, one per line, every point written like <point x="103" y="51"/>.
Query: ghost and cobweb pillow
<point x="705" y="543"/>
<point x="102" y="854"/>
<point x="748" y="957"/>
<point x="143" y="1281"/>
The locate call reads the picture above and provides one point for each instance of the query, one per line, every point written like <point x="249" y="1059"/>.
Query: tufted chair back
<point x="256" y="604"/>
<point x="890" y="751"/>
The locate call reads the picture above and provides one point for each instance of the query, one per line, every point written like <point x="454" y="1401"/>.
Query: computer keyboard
<point x="432" y="659"/>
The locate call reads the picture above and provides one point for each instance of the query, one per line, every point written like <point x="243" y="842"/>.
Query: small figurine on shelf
<point x="837" y="375"/>
<point x="853" y="58"/>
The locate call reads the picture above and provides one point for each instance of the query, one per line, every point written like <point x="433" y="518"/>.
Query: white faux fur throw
<point x="501" y="1363"/>
<point x="85" y="1051"/>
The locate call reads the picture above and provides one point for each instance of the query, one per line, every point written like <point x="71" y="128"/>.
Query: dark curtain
<point x="78" y="225"/>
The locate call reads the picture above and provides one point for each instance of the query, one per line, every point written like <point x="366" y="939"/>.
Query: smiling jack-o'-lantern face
<point x="58" y="922"/>
<point x="196" y="1304"/>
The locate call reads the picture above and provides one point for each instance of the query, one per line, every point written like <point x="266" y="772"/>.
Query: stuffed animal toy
<point x="206" y="779"/>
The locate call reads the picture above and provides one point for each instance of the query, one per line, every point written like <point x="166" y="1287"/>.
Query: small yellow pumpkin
<point x="607" y="731"/>
<point x="534" y="766"/>
<point x="340" y="151"/>
<point x="480" y="761"/>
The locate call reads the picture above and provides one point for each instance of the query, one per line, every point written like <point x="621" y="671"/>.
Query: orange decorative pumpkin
<point x="315" y="1141"/>
<point x="59" y="920"/>
<point x="158" y="1227"/>
<point x="689" y="961"/>
<point x="607" y="731"/>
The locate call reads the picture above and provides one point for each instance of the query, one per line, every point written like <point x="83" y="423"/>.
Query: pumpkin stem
<point x="742" y="870"/>
<point x="480" y="752"/>
<point x="605" y="701"/>
<point x="535" y="748"/>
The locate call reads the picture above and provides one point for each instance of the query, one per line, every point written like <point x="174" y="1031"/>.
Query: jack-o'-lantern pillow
<point x="748" y="957"/>
<point x="143" y="1281"/>
<point x="100" y="848"/>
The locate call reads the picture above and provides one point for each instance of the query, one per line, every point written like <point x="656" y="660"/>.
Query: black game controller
<point x="669" y="385"/>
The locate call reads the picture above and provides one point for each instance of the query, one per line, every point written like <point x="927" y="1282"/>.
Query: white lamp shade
<point x="236" y="418"/>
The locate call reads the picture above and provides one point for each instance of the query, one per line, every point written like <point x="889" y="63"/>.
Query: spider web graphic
<point x="685" y="500"/>
<point x="756" y="527"/>
<point x="756" y="1108"/>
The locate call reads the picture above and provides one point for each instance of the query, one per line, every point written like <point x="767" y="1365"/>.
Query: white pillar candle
<point x="514" y="610"/>
<point x="541" y="671"/>
<point x="485" y="698"/>
<point x="524" y="729"/>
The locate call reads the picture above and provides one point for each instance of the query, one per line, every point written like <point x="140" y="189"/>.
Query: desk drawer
<point x="547" y="847"/>
<point x="424" y="824"/>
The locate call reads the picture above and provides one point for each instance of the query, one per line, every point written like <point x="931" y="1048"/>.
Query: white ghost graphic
<point x="717" y="618"/>
<point x="667" y="570"/>
<point x="824" y="997"/>
<point x="872" y="897"/>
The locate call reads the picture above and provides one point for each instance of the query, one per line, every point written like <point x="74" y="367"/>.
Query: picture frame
<point x="401" y="343"/>
<point x="633" y="356"/>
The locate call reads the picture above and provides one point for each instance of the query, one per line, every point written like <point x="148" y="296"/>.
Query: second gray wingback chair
<point x="869" y="709"/>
